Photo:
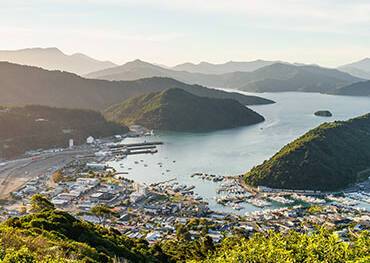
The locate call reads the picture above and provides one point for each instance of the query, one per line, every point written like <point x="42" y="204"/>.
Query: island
<point x="323" y="113"/>
<point x="178" y="110"/>
<point x="330" y="157"/>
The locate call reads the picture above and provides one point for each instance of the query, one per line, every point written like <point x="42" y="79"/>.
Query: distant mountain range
<point x="359" y="69"/>
<point x="253" y="76"/>
<point x="356" y="89"/>
<point x="22" y="85"/>
<point x="54" y="59"/>
<point x="228" y="67"/>
<point x="277" y="77"/>
<point x="329" y="157"/>
<point x="178" y="110"/>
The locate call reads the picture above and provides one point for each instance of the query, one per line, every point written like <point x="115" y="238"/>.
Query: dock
<point x="140" y="144"/>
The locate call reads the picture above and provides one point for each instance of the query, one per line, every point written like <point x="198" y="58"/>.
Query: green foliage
<point x="329" y="157"/>
<point x="54" y="234"/>
<point x="321" y="246"/>
<point x="40" y="203"/>
<point x="22" y="255"/>
<point x="178" y="110"/>
<point x="34" y="127"/>
<point x="103" y="212"/>
<point x="315" y="209"/>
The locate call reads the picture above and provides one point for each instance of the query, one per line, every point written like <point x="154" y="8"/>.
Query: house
<point x="90" y="140"/>
<point x="153" y="236"/>
<point x="96" y="166"/>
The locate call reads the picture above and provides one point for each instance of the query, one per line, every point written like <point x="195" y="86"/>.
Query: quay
<point x="128" y="145"/>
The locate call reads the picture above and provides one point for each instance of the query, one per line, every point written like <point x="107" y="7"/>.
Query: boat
<point x="237" y="207"/>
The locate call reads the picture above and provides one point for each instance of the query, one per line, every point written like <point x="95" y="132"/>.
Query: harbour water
<point x="235" y="151"/>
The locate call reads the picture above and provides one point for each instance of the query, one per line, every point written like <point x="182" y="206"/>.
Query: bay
<point x="235" y="151"/>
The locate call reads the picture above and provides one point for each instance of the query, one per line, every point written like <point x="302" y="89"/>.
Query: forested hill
<point x="25" y="85"/>
<point x="329" y="157"/>
<point x="178" y="110"/>
<point x="33" y="127"/>
<point x="52" y="236"/>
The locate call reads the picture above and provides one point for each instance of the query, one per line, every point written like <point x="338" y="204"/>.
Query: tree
<point x="57" y="176"/>
<point x="182" y="233"/>
<point x="40" y="203"/>
<point x="22" y="255"/>
<point x="102" y="212"/>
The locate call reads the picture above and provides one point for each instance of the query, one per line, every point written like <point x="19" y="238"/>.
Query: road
<point x="15" y="173"/>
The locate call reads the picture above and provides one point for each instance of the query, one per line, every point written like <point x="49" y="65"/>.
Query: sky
<point x="325" y="32"/>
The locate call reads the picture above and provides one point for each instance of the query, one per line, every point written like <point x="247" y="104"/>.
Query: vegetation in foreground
<point x="178" y="110"/>
<point x="329" y="157"/>
<point x="321" y="246"/>
<point x="49" y="235"/>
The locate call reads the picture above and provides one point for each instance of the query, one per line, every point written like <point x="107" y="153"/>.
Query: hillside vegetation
<point x="49" y="236"/>
<point x="25" y="85"/>
<point x="33" y="127"/>
<point x="178" y="110"/>
<point x="329" y="157"/>
<point x="320" y="246"/>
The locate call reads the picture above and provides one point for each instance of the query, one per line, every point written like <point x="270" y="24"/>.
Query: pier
<point x="128" y="145"/>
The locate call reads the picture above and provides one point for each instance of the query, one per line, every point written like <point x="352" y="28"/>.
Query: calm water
<point x="231" y="152"/>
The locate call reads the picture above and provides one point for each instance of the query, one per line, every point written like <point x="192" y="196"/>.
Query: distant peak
<point x="137" y="61"/>
<point x="48" y="49"/>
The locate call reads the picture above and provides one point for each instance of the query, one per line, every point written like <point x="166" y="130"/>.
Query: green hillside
<point x="319" y="246"/>
<point x="25" y="85"/>
<point x="33" y="127"/>
<point x="178" y="110"/>
<point x="329" y="157"/>
<point x="50" y="236"/>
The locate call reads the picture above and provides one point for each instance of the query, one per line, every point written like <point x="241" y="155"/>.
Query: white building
<point x="90" y="140"/>
<point x="153" y="236"/>
<point x="71" y="143"/>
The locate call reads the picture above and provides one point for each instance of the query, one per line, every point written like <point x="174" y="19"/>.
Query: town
<point x="84" y="182"/>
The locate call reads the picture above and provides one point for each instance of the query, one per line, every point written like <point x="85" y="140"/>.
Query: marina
<point x="205" y="154"/>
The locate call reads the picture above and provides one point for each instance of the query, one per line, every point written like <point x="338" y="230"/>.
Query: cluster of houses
<point x="155" y="211"/>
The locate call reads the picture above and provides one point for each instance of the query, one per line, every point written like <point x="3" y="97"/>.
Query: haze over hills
<point x="178" y="110"/>
<point x="284" y="77"/>
<point x="276" y="77"/>
<point x="228" y="67"/>
<point x="359" y="69"/>
<point x="356" y="89"/>
<point x="54" y="59"/>
<point x="21" y="85"/>
<point x="329" y="157"/>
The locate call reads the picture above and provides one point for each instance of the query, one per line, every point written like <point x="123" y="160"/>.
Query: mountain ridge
<point x="227" y="67"/>
<point x="53" y="58"/>
<point x="271" y="78"/>
<point x="359" y="68"/>
<point x="22" y="85"/>
<point x="178" y="110"/>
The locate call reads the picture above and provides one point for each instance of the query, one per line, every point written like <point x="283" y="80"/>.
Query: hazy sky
<point x="326" y="32"/>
